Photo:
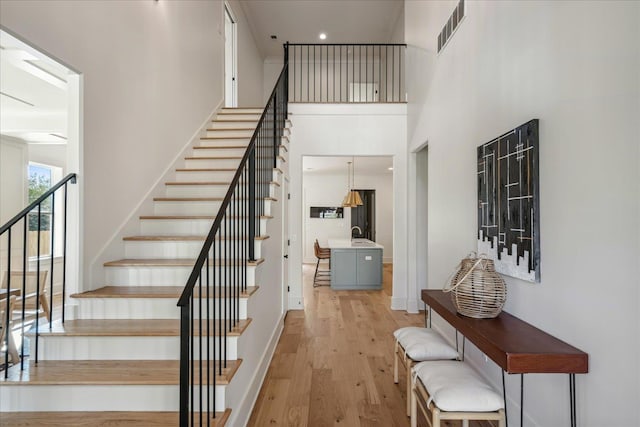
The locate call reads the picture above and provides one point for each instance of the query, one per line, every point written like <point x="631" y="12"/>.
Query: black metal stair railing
<point x="210" y="302"/>
<point x="11" y="232"/>
<point x="346" y="73"/>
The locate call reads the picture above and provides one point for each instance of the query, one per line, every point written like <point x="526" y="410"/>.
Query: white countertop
<point x="353" y="244"/>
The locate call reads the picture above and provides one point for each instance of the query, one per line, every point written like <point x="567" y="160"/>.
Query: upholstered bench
<point x="452" y="390"/>
<point x="414" y="344"/>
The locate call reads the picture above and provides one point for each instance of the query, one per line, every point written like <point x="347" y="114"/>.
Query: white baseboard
<point x="240" y="416"/>
<point x="413" y="306"/>
<point x="398" y="303"/>
<point x="295" y="303"/>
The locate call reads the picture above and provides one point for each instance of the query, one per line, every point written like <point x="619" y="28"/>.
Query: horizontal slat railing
<point x="20" y="280"/>
<point x="346" y="73"/>
<point x="223" y="263"/>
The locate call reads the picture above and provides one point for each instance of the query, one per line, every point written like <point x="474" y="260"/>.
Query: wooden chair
<point x="321" y="277"/>
<point x="5" y="329"/>
<point x="31" y="306"/>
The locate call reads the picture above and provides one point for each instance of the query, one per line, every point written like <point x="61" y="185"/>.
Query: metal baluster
<point x="191" y="334"/>
<point x="25" y="243"/>
<point x="7" y="308"/>
<point x="64" y="252"/>
<point x="393" y="70"/>
<point x="209" y="348"/>
<point x="220" y="294"/>
<point x="37" y="281"/>
<point x="184" y="364"/>
<point x="200" y="353"/>
<point x="52" y="227"/>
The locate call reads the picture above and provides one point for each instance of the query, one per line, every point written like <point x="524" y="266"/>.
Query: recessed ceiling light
<point x="391" y="168"/>
<point x="323" y="36"/>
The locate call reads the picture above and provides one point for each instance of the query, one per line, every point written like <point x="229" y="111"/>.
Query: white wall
<point x="152" y="72"/>
<point x="328" y="189"/>
<point x="349" y="130"/>
<point x="49" y="154"/>
<point x="249" y="61"/>
<point x="575" y="66"/>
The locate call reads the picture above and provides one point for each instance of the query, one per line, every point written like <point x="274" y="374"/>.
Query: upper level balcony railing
<point x="346" y="73"/>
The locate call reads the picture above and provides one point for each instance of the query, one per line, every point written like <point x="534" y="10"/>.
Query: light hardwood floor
<point x="333" y="365"/>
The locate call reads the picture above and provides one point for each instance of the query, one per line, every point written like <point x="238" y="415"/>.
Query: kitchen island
<point x="355" y="264"/>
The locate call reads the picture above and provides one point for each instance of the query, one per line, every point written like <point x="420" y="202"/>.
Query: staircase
<point x="117" y="362"/>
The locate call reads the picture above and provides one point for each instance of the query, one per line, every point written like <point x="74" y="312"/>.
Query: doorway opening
<point x="40" y="143"/>
<point x="230" y="59"/>
<point x="363" y="218"/>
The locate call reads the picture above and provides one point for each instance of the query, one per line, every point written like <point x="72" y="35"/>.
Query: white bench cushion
<point x="456" y="387"/>
<point x="422" y="344"/>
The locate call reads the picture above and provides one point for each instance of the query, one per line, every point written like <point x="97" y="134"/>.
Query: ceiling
<point x="301" y="21"/>
<point x="370" y="165"/>
<point x="33" y="99"/>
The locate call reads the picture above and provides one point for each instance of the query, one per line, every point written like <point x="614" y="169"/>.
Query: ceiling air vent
<point x="451" y="25"/>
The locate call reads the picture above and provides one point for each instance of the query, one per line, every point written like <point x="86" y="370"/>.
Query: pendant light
<point x="346" y="202"/>
<point x="352" y="199"/>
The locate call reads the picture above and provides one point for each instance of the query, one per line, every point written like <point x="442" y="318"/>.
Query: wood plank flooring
<point x="333" y="365"/>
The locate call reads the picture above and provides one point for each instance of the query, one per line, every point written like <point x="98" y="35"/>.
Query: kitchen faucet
<point x="359" y="230"/>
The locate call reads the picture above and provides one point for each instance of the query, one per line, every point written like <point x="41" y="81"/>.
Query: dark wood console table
<point x="514" y="345"/>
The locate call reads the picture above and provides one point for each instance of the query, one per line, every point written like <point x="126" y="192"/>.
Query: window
<point x="41" y="178"/>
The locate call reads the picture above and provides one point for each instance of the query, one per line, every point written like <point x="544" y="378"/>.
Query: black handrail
<point x="226" y="264"/>
<point x="346" y="72"/>
<point x="7" y="228"/>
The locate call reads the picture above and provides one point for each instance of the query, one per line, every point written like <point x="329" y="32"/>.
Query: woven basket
<point x="477" y="290"/>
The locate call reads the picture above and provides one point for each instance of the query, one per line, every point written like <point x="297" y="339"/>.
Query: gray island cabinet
<point x="355" y="264"/>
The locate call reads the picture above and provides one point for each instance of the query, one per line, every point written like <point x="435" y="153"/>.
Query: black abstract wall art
<point x="509" y="202"/>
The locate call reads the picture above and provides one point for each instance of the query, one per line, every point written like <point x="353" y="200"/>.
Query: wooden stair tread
<point x="110" y="372"/>
<point x="224" y="137"/>
<point x="218" y="147"/>
<point x="191" y="217"/>
<point x="197" y="183"/>
<point x="214" y="158"/>
<point x="170" y="262"/>
<point x="102" y="419"/>
<point x="184" y="238"/>
<point x="233" y="129"/>
<point x="206" y="170"/>
<point x="155" y="292"/>
<point x="133" y="328"/>
<point x="202" y="199"/>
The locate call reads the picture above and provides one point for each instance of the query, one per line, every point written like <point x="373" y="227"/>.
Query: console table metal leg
<point x="572" y="399"/>
<point x="504" y="397"/>
<point x="521" y="400"/>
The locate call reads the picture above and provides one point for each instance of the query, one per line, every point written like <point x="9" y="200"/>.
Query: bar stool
<point x="321" y="277"/>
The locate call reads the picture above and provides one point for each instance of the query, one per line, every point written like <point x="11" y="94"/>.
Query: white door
<point x="230" y="87"/>
<point x="285" y="245"/>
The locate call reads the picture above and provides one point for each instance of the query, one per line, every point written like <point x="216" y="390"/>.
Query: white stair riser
<point x="196" y="190"/>
<point x="126" y="348"/>
<point x="176" y="249"/>
<point x="231" y="133"/>
<point x="160" y="276"/>
<point x="196" y="227"/>
<point x="198" y="163"/>
<point x="146" y="308"/>
<point x="56" y="398"/>
<point x="186" y="208"/>
<point x="203" y="190"/>
<point x="205" y="142"/>
<point x="204" y="176"/>
<point x="225" y="123"/>
<point x="239" y="111"/>
<point x="235" y="117"/>
<point x="217" y="151"/>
